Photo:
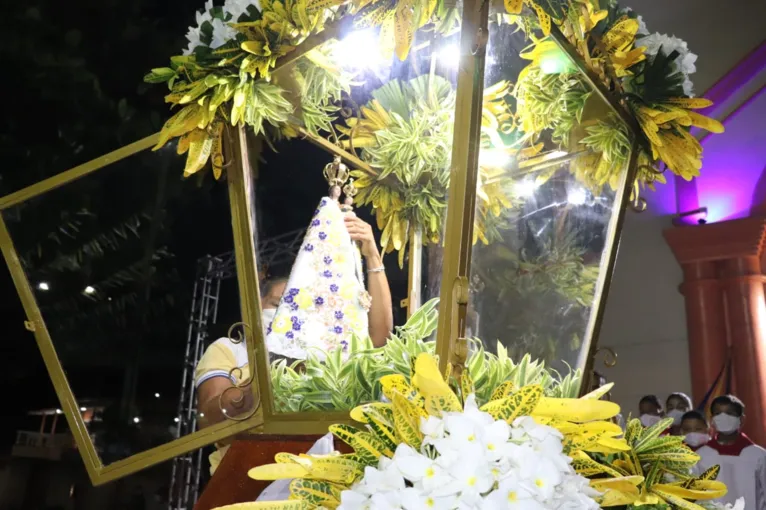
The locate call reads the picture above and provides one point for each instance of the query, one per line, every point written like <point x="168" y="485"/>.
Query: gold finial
<point x="350" y="191"/>
<point x="336" y="174"/>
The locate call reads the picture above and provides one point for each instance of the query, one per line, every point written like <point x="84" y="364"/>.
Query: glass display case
<point x="493" y="165"/>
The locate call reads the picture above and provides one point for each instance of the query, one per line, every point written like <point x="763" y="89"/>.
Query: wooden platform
<point x="230" y="483"/>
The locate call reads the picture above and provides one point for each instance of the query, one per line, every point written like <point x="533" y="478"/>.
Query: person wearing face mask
<point x="650" y="410"/>
<point x="743" y="463"/>
<point x="695" y="429"/>
<point x="676" y="405"/>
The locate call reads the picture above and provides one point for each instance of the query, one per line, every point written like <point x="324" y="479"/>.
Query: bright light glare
<point x="136" y="420"/>
<point x="43" y="286"/>
<point x="358" y="50"/>
<point x="176" y="419"/>
<point x="58" y="411"/>
<point x="449" y="55"/>
<point x="156" y="395"/>
<point x="526" y="188"/>
<point x="494" y="157"/>
<point x="89" y="290"/>
<point x="83" y="409"/>
<point x="577" y="196"/>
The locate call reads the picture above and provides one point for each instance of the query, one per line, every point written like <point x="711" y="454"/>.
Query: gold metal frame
<point x="451" y="346"/>
<point x="248" y="284"/>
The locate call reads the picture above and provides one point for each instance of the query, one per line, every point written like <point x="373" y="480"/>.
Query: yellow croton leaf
<point x="317" y="493"/>
<point x="715" y="490"/>
<point x="598" y="392"/>
<point x="277" y="472"/>
<point x="268" y="505"/>
<point x="428" y="382"/>
<point x="576" y="410"/>
<point x="404" y="28"/>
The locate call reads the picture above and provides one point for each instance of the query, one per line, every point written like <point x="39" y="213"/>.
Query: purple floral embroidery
<point x="315" y="223"/>
<point x="288" y="298"/>
<point x="339" y="315"/>
<point x="327" y="259"/>
<point x="338" y="330"/>
<point x="344" y="344"/>
<point x="319" y="301"/>
<point x="327" y="274"/>
<point x="293" y="306"/>
<point x="289" y="335"/>
<point x="309" y="247"/>
<point x="334" y="288"/>
<point x="316" y="212"/>
<point x="322" y="236"/>
<point x="293" y="292"/>
<point x="323" y="203"/>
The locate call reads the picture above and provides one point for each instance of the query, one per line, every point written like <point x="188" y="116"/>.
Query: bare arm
<point x="212" y="395"/>
<point x="381" y="315"/>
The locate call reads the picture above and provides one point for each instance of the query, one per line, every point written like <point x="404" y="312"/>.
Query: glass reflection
<point x="545" y="203"/>
<point x="112" y="259"/>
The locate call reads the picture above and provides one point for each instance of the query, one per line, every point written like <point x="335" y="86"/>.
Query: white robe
<point x="743" y="474"/>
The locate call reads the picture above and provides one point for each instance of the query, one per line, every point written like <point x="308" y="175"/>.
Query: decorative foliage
<point x="337" y="385"/>
<point x="640" y="475"/>
<point x="650" y="75"/>
<point x="405" y="134"/>
<point x="431" y="445"/>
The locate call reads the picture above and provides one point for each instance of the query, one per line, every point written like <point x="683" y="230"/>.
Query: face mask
<point x="267" y="317"/>
<point x="696" y="439"/>
<point x="726" y="423"/>
<point x="647" y="420"/>
<point x="676" y="415"/>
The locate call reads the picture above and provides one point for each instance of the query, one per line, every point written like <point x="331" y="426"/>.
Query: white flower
<point x="469" y="461"/>
<point x="472" y="478"/>
<point x="432" y="428"/>
<point x="684" y="63"/>
<point x="193" y="37"/>
<point x="642" y="30"/>
<point x="542" y="478"/>
<point x="414" y="499"/>
<point x="419" y="468"/>
<point x="353" y="500"/>
<point x="222" y="33"/>
<point x="511" y="494"/>
<point x="238" y="7"/>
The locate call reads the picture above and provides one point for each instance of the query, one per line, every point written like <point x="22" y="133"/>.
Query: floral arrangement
<point x="648" y="73"/>
<point x="326" y="382"/>
<point x="430" y="445"/>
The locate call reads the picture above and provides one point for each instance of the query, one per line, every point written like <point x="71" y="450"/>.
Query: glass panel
<point x="553" y="161"/>
<point x="117" y="261"/>
<point x="397" y="119"/>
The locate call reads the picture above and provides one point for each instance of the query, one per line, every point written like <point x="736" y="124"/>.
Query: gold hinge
<point x="404" y="303"/>
<point x="30" y="326"/>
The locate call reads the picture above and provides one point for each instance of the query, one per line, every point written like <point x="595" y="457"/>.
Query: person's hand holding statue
<point x="361" y="231"/>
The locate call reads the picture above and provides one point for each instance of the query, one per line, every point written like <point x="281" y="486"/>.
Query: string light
<point x="156" y="395"/>
<point x="89" y="290"/>
<point x="83" y="409"/>
<point x="176" y="419"/>
<point x="136" y="420"/>
<point x="43" y="286"/>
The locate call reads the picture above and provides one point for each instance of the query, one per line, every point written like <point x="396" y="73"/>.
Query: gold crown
<point x="336" y="173"/>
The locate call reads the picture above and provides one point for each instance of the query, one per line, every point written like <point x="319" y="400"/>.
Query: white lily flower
<point x="432" y="428"/>
<point x="413" y="499"/>
<point x="511" y="494"/>
<point x="495" y="440"/>
<point x="543" y="478"/>
<point x="353" y="500"/>
<point x="472" y="478"/>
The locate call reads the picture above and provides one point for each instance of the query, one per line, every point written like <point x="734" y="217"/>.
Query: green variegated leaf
<point x="316" y="492"/>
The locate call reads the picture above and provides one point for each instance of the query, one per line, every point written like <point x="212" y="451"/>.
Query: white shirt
<point x="743" y="470"/>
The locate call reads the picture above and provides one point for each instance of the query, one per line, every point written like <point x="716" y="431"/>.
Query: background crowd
<point x="715" y="433"/>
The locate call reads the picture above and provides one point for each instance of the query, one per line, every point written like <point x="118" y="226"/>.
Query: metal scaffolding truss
<point x="211" y="271"/>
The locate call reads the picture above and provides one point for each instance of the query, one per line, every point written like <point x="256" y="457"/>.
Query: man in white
<point x="743" y="463"/>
